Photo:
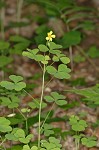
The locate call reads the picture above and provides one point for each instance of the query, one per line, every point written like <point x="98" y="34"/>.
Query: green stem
<point x="70" y="51"/>
<point x="48" y="82"/>
<point x="47" y="116"/>
<point x="40" y="107"/>
<point x="87" y="57"/>
<point x="2" y="142"/>
<point x="31" y="97"/>
<point x="2" y="21"/>
<point x="26" y="124"/>
<point x="19" y="9"/>
<point x="2" y="74"/>
<point x="78" y="144"/>
<point x="70" y="47"/>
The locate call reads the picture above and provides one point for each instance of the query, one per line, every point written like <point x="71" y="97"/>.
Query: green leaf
<point x="15" y="78"/>
<point x="61" y="102"/>
<point x="20" y="133"/>
<point x="39" y="57"/>
<point x="46" y="58"/>
<point x="55" y="58"/>
<point x="79" y="58"/>
<point x="8" y="85"/>
<point x="55" y="52"/>
<point x="4" y="60"/>
<point x="51" y="70"/>
<point x="54" y="140"/>
<point x="71" y="38"/>
<point x="93" y="52"/>
<point x="15" y="147"/>
<point x="49" y="98"/>
<point x="44" y="105"/>
<point x="47" y="126"/>
<point x="63" y="72"/>
<point x="52" y="144"/>
<point x="54" y="46"/>
<point x="56" y="95"/>
<point x="43" y="48"/>
<point x="26" y="147"/>
<point x="29" y="55"/>
<point x="89" y="141"/>
<point x="34" y="148"/>
<point x="19" y="47"/>
<point x="58" y="98"/>
<point x="12" y="102"/>
<point x="33" y="105"/>
<point x="48" y="132"/>
<point x="90" y="95"/>
<point x="11" y="137"/>
<point x="65" y="60"/>
<point x="77" y="124"/>
<point x="17" y="38"/>
<point x="4" y="125"/>
<point x="19" y="86"/>
<point x="4" y="45"/>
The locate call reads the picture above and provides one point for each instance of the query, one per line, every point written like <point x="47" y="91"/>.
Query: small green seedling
<point x="78" y="126"/>
<point x="89" y="141"/>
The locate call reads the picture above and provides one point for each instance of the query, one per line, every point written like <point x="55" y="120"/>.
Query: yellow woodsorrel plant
<point x="47" y="57"/>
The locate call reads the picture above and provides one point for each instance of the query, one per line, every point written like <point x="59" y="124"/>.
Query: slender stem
<point x="26" y="124"/>
<point x="47" y="116"/>
<point x="70" y="48"/>
<point x="19" y="9"/>
<point x="87" y="57"/>
<point x="70" y="51"/>
<point x="48" y="82"/>
<point x="2" y="74"/>
<point x="40" y="65"/>
<point x="2" y="21"/>
<point x="40" y="107"/>
<point x="31" y="97"/>
<point x="2" y="142"/>
<point x="71" y="57"/>
<point x="78" y="144"/>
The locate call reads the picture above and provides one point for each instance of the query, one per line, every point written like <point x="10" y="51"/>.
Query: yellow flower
<point x="50" y="36"/>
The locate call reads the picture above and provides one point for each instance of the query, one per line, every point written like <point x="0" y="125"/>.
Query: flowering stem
<point x="40" y="107"/>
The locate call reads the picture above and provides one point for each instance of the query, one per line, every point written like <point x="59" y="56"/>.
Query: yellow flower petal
<point x="50" y="39"/>
<point x="50" y="36"/>
<point x="51" y="32"/>
<point x="53" y="36"/>
<point x="47" y="38"/>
